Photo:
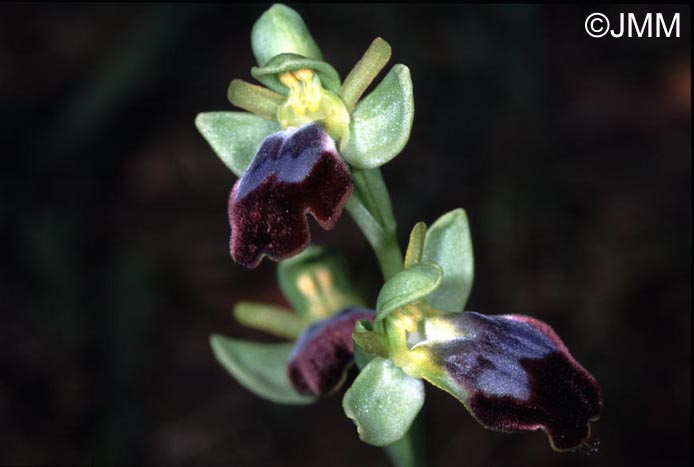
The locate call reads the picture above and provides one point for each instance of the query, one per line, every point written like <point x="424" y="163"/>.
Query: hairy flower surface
<point x="294" y="172"/>
<point x="513" y="373"/>
<point x="324" y="352"/>
<point x="318" y="327"/>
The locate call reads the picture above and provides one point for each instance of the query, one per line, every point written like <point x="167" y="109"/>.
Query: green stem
<point x="389" y="256"/>
<point x="372" y="211"/>
<point x="408" y="451"/>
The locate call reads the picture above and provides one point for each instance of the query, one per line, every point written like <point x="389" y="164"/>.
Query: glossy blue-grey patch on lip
<point x="306" y="146"/>
<point x="288" y="155"/>
<point x="494" y="375"/>
<point x="502" y="335"/>
<point x="294" y="173"/>
<point x="516" y="374"/>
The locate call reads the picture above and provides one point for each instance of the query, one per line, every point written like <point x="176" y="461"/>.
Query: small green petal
<point x="260" y="368"/>
<point x="272" y="319"/>
<point x="373" y="342"/>
<point x="364" y="72"/>
<point x="282" y="30"/>
<point x="361" y="357"/>
<point x="235" y="136"/>
<point x="416" y="245"/>
<point x="267" y="74"/>
<point x="259" y="100"/>
<point x="381" y="122"/>
<point x="407" y="286"/>
<point x="448" y="244"/>
<point x="383" y="402"/>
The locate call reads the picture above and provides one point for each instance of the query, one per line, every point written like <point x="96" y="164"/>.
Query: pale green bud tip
<point x="282" y="30"/>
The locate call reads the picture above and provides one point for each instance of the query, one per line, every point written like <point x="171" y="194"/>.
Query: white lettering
<point x="621" y="27"/>
<point x="646" y="22"/>
<point x="660" y="22"/>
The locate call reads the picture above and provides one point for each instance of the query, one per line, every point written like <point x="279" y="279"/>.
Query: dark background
<point x="571" y="155"/>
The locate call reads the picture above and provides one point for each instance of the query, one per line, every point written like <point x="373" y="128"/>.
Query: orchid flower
<point x="319" y="328"/>
<point x="511" y="372"/>
<point x="303" y="121"/>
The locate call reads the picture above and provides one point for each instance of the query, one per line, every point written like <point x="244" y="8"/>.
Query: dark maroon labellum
<point x="294" y="172"/>
<point x="519" y="375"/>
<point x="324" y="352"/>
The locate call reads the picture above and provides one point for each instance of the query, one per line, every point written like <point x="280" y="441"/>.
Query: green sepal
<point x="407" y="286"/>
<point x="272" y="319"/>
<point x="235" y="136"/>
<point x="260" y="368"/>
<point x="383" y="402"/>
<point x="257" y="99"/>
<point x="281" y="29"/>
<point x="381" y="122"/>
<point x="316" y="284"/>
<point x="267" y="74"/>
<point x="449" y="245"/>
<point x="415" y="247"/>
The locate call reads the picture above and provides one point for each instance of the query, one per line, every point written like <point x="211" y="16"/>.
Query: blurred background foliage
<point x="571" y="155"/>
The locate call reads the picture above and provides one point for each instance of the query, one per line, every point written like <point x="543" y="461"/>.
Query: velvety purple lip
<point x="518" y="375"/>
<point x="324" y="351"/>
<point x="295" y="172"/>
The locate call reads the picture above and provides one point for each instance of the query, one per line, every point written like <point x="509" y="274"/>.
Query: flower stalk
<point x="372" y="211"/>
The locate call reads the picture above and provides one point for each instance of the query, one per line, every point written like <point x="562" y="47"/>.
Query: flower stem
<point x="408" y="451"/>
<point x="372" y="211"/>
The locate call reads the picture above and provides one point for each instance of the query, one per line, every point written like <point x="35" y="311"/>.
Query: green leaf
<point x="316" y="284"/>
<point x="260" y="368"/>
<point x="282" y="30"/>
<point x="415" y="247"/>
<point x="381" y="122"/>
<point x="407" y="286"/>
<point x="383" y="402"/>
<point x="257" y="99"/>
<point x="448" y="244"/>
<point x="269" y="318"/>
<point x="364" y="72"/>
<point x="267" y="74"/>
<point x="235" y="136"/>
